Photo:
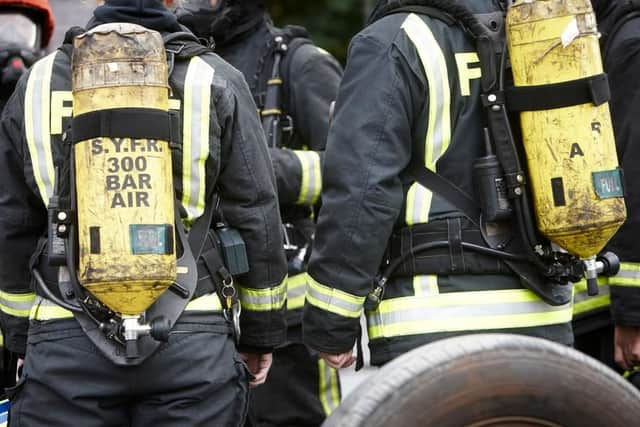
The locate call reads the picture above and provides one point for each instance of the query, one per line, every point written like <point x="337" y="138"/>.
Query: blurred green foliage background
<point x="332" y="23"/>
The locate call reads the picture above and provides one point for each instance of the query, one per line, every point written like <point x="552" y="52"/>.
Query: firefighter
<point x="26" y="27"/>
<point x="302" y="390"/>
<point x="197" y="377"/>
<point x="620" y="41"/>
<point x="25" y="30"/>
<point x="411" y="92"/>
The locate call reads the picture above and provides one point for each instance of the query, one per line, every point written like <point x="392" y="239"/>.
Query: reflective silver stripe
<point x="425" y="285"/>
<point x="37" y="117"/>
<point x="438" y="135"/>
<point x="296" y="291"/>
<point x="311" y="183"/>
<point x="629" y="275"/>
<point x="334" y="300"/>
<point x="264" y="299"/>
<point x="463" y="311"/>
<point x="329" y="389"/>
<point x="16" y="305"/>
<point x="44" y="309"/>
<point x="195" y="138"/>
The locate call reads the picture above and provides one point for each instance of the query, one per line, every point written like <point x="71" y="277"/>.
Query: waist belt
<point x="44" y="309"/>
<point x="443" y="261"/>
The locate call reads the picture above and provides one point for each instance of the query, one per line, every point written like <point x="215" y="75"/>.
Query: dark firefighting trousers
<point x="301" y="391"/>
<point x="197" y="379"/>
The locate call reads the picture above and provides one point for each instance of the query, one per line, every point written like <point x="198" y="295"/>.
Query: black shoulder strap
<point x="444" y="188"/>
<point x="296" y="37"/>
<point x="629" y="10"/>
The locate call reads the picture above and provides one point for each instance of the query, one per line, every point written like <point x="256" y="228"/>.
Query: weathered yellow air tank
<point x="124" y="186"/>
<point x="571" y="153"/>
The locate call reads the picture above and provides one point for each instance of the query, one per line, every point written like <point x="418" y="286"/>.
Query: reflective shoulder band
<point x="195" y="135"/>
<point x="439" y="120"/>
<point x="334" y="300"/>
<point x="311" y="184"/>
<point x="263" y="299"/>
<point x="463" y="311"/>
<point x="37" y="118"/>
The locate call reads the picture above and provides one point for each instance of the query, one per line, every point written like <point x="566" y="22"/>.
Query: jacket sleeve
<point x="249" y="203"/>
<point x="312" y="81"/>
<point x="22" y="223"/>
<point x="368" y="147"/>
<point x="622" y="66"/>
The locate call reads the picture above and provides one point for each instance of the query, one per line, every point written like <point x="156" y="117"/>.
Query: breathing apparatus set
<point x="556" y="181"/>
<point x="126" y="265"/>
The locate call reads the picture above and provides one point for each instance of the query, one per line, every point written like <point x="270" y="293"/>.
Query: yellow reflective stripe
<point x="311" y="184"/>
<point x="583" y="303"/>
<point x="425" y="285"/>
<point x="43" y="309"/>
<point x="210" y="302"/>
<point x="628" y="276"/>
<point x="463" y="311"/>
<point x="329" y="388"/>
<point x="419" y="201"/>
<point x="264" y="299"/>
<point x="37" y="118"/>
<point x="334" y="300"/>
<point x="17" y="305"/>
<point x="1" y="343"/>
<point x="296" y="290"/>
<point x="438" y="135"/>
<point x="195" y="135"/>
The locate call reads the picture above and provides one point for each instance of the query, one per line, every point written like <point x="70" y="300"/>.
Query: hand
<point x="19" y="366"/>
<point x="337" y="361"/>
<point x="259" y="365"/>
<point x="627" y="346"/>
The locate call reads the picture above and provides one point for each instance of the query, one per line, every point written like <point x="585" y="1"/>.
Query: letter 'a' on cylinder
<point x="124" y="186"/>
<point x="571" y="152"/>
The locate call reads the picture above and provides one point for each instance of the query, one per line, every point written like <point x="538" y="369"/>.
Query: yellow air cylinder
<point x="570" y="151"/>
<point x="124" y="186"/>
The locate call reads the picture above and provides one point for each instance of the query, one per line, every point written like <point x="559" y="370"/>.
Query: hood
<point x="151" y="14"/>
<point x="474" y="6"/>
<point x="230" y="21"/>
<point x="606" y="14"/>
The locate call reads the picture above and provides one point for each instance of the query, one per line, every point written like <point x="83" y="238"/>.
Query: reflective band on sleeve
<point x="334" y="300"/>
<point x="195" y="137"/>
<point x="439" y="120"/>
<point x="264" y="299"/>
<point x="1" y="340"/>
<point x="311" y="184"/>
<point x="583" y="303"/>
<point x="463" y="311"/>
<point x="629" y="275"/>
<point x="37" y="117"/>
<point x="329" y="388"/>
<point x="425" y="285"/>
<point x="16" y="305"/>
<point x="296" y="290"/>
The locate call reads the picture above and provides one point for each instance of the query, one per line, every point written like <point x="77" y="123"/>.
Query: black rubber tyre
<point x="490" y="381"/>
